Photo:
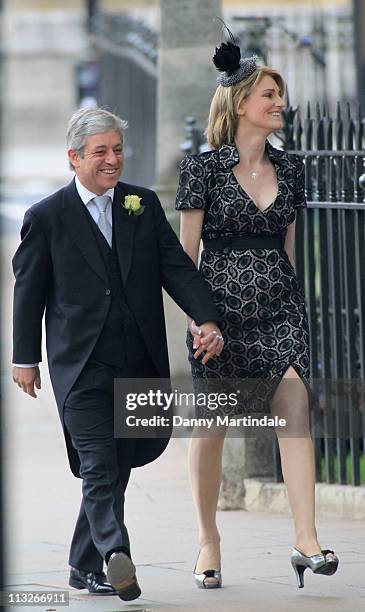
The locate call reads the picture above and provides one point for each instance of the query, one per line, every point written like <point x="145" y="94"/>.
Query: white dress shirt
<point x="86" y="196"/>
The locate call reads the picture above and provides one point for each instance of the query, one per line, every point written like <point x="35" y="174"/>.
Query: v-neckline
<point x="251" y="198"/>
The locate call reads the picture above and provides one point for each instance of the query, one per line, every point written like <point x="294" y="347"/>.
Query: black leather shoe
<point x="121" y="573"/>
<point x="95" y="582"/>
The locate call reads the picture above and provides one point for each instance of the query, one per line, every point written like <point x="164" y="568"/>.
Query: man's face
<point x="100" y="164"/>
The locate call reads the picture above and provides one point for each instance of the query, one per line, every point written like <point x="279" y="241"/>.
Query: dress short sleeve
<point x="300" y="200"/>
<point x="192" y="190"/>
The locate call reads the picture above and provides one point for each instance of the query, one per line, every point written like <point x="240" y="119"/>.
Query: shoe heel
<point x="299" y="572"/>
<point x="76" y="584"/>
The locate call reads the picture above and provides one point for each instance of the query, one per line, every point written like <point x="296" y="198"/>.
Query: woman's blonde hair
<point x="222" y="122"/>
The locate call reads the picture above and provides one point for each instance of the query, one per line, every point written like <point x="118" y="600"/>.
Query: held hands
<point x="27" y="378"/>
<point x="206" y="338"/>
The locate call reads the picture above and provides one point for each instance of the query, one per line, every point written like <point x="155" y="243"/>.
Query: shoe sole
<point x="210" y="585"/>
<point x="328" y="570"/>
<point x="121" y="574"/>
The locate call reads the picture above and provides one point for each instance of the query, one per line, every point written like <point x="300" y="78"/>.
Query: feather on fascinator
<point x="227" y="59"/>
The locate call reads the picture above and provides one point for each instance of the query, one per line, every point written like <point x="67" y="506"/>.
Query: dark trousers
<point x="105" y="465"/>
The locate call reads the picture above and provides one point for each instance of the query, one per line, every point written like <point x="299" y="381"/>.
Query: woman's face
<point x="262" y="108"/>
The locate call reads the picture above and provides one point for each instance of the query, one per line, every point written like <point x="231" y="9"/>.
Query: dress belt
<point x="241" y="243"/>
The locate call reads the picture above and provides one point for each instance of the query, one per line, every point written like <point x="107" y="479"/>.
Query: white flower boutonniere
<point x="132" y="203"/>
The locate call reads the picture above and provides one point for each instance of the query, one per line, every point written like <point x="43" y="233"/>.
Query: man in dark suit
<point x="95" y="260"/>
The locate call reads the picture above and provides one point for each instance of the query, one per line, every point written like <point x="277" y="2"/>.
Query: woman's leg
<point x="205" y="466"/>
<point x="297" y="459"/>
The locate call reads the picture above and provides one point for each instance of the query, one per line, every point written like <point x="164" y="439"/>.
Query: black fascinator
<point x="227" y="59"/>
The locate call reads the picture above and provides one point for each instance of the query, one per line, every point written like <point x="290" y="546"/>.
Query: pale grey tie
<point x="103" y="223"/>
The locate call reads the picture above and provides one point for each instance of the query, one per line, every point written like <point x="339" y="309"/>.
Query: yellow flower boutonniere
<point x="132" y="203"/>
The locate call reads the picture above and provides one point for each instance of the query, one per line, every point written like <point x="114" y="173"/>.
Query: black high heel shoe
<point x="319" y="564"/>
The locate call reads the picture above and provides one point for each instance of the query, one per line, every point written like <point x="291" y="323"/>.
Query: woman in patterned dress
<point x="241" y="199"/>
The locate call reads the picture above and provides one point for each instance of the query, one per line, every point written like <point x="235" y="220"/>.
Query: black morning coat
<point x="59" y="269"/>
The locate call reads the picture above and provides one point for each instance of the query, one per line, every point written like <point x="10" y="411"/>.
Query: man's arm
<point x="31" y="266"/>
<point x="187" y="288"/>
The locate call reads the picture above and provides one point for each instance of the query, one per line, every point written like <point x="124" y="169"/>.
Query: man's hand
<point x="210" y="340"/>
<point x="27" y="378"/>
<point x="195" y="331"/>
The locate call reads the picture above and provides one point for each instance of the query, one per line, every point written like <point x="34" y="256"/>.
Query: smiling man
<point x="94" y="258"/>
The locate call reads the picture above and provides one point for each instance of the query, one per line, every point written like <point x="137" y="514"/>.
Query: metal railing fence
<point x="127" y="55"/>
<point x="312" y="47"/>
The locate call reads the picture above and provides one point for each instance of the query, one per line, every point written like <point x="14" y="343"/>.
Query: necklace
<point x="254" y="175"/>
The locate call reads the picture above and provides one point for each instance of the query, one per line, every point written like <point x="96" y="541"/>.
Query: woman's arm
<point x="192" y="202"/>
<point x="299" y="201"/>
<point x="191" y="224"/>
<point x="289" y="243"/>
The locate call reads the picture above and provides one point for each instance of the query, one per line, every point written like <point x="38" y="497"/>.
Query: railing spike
<point x="287" y="97"/>
<point x="358" y="111"/>
<point x="348" y="111"/>
<point x="338" y="111"/>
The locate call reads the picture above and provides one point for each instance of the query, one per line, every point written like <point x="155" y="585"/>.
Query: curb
<point x="332" y="500"/>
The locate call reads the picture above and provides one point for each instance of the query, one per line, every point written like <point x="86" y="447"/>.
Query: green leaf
<point x="139" y="211"/>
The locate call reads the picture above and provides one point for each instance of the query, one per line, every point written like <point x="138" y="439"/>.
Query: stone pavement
<point x="43" y="499"/>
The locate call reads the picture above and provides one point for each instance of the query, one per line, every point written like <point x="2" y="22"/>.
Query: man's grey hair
<point x="88" y="122"/>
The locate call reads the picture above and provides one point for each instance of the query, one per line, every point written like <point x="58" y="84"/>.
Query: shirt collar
<point x="87" y="195"/>
<point x="228" y="155"/>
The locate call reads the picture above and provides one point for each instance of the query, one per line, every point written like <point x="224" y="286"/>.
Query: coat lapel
<point x="123" y="234"/>
<point x="79" y="228"/>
